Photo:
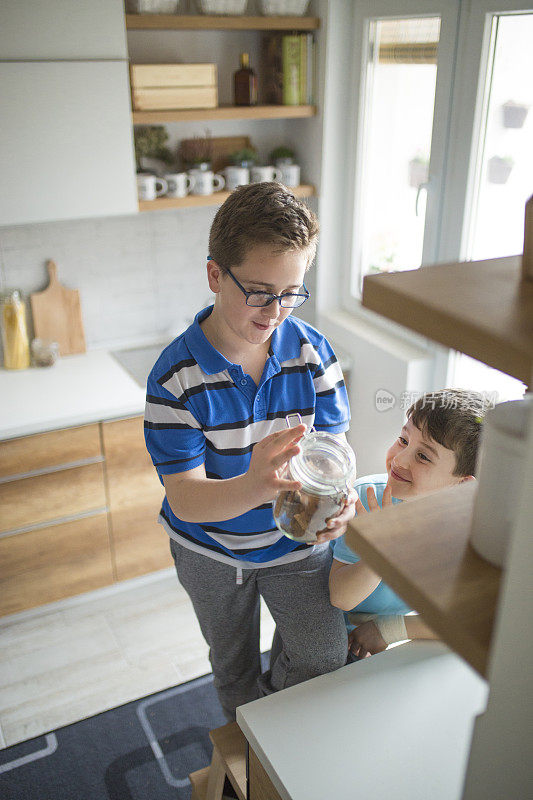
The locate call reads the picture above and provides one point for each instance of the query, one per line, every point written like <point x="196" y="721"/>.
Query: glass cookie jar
<point x="325" y="467"/>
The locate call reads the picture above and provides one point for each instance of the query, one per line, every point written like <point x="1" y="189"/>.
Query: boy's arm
<point x="350" y="584"/>
<point x="195" y="498"/>
<point x="371" y="637"/>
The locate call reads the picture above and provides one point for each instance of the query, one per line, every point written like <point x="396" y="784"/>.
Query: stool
<point x="229" y="760"/>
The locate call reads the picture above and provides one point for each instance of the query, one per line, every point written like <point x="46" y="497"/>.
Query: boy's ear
<point x="467" y="478"/>
<point x="214" y="274"/>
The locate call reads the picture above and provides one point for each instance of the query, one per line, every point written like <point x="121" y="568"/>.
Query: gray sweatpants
<point x="310" y="636"/>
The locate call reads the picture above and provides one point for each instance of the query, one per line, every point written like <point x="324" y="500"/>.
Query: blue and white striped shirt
<point x="203" y="409"/>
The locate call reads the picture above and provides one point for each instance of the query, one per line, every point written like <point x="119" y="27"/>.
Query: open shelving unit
<point x="187" y="22"/>
<point x="184" y="22"/>
<point x="200" y="201"/>
<point x="483" y="309"/>
<point x="434" y="568"/>
<point x="222" y="112"/>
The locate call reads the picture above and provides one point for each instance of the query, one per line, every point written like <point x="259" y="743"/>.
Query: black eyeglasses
<point x="262" y="299"/>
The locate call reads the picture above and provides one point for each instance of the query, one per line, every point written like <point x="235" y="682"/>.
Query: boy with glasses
<point x="215" y="426"/>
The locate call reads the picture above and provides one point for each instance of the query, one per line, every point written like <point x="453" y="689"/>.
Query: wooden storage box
<point x="173" y="86"/>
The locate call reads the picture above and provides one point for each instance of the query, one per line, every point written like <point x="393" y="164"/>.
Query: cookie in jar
<point x="325" y="468"/>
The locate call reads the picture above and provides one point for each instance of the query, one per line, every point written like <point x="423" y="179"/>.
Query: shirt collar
<point x="207" y="356"/>
<point x="284" y="344"/>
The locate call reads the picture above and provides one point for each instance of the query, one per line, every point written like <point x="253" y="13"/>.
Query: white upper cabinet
<point x="66" y="144"/>
<point x="58" y="29"/>
<point x="66" y="149"/>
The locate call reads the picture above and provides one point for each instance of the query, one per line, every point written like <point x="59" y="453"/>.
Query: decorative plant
<point x="196" y="151"/>
<point x="282" y="153"/>
<point x="418" y="170"/>
<point x="499" y="168"/>
<point x="514" y="114"/>
<point x="246" y="157"/>
<point x="150" y="142"/>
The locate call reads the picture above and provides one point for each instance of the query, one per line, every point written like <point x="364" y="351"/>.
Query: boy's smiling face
<point x="417" y="464"/>
<point x="262" y="270"/>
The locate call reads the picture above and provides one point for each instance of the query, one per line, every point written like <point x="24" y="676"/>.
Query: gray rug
<point x="143" y="750"/>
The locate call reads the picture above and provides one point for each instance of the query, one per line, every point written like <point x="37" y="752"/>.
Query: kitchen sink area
<point x="138" y="361"/>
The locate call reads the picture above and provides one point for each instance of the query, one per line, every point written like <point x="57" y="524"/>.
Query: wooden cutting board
<point x="57" y="315"/>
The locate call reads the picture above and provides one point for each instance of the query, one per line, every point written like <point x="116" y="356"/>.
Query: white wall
<point x="138" y="276"/>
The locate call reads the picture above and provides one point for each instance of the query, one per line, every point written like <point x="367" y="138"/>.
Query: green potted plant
<point x="246" y="157"/>
<point x="281" y="156"/>
<point x="196" y="153"/>
<point x="514" y="114"/>
<point x="150" y="142"/>
<point x="418" y="171"/>
<point x="499" y="168"/>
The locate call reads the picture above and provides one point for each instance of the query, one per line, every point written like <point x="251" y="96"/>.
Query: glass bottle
<point x="325" y="467"/>
<point x="245" y="84"/>
<point x="15" y="339"/>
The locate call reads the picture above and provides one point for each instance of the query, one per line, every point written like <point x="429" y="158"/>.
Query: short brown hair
<point x="261" y="213"/>
<point x="453" y="418"/>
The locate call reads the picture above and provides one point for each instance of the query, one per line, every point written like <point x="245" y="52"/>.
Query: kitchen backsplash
<point x="139" y="276"/>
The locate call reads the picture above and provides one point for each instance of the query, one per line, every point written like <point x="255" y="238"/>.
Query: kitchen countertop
<point x="101" y="384"/>
<point x="76" y="390"/>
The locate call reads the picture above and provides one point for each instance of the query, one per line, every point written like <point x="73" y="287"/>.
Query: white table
<point x="396" y="726"/>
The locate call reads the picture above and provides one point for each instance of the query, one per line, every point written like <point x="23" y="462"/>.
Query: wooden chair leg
<point x="217" y="776"/>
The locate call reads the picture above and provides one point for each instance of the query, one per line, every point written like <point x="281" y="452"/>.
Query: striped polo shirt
<point x="203" y="409"/>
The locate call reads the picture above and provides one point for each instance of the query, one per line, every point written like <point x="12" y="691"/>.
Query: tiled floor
<point x="76" y="658"/>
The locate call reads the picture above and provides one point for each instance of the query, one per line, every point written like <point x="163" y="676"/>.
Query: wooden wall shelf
<point x="421" y="549"/>
<point x="183" y="22"/>
<point x="215" y="199"/>
<point x="481" y="308"/>
<point x="223" y="112"/>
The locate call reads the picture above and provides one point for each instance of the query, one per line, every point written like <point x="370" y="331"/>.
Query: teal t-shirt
<point x="382" y="600"/>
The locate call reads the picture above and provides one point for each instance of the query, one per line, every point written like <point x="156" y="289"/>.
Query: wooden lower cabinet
<point x="70" y="529"/>
<point x="139" y="543"/>
<point x="51" y="449"/>
<point x="51" y="563"/>
<point x="46" y="498"/>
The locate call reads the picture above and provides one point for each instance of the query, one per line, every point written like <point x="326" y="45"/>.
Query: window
<point x="444" y="160"/>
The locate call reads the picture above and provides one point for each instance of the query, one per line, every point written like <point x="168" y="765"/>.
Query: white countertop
<point x="76" y="390"/>
<point x="396" y="725"/>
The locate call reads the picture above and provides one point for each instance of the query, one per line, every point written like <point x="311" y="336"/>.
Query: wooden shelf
<point x="223" y="112"/>
<point x="421" y="549"/>
<point x="186" y="22"/>
<point x="481" y="308"/>
<point x="199" y="201"/>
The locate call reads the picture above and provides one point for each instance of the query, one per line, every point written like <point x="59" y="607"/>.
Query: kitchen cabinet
<point x="135" y="493"/>
<point x="65" y="141"/>
<point x="54" y="537"/>
<point x="66" y="148"/>
<point x="79" y="512"/>
<point x="205" y="23"/>
<point x="54" y="562"/>
<point x="60" y="29"/>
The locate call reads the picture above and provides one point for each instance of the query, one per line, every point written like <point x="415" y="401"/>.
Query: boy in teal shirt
<point x="437" y="447"/>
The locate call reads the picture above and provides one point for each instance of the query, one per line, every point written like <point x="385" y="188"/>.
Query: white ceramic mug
<point x="290" y="175"/>
<point x="260" y="174"/>
<point x="179" y="184"/>
<point x="205" y="181"/>
<point x="149" y="187"/>
<point x="236" y="176"/>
